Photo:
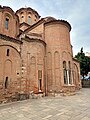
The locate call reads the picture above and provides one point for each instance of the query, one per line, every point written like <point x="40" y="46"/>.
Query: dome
<point x="28" y="15"/>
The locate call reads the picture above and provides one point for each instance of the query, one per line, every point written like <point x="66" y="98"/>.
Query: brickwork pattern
<point x="32" y="61"/>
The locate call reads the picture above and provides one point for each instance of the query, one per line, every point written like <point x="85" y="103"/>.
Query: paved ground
<point x="75" y="107"/>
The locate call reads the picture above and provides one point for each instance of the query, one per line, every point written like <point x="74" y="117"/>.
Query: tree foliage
<point x="84" y="62"/>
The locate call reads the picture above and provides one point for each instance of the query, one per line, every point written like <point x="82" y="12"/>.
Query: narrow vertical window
<point x="6" y="23"/>
<point x="40" y="79"/>
<point x="7" y="52"/>
<point x="6" y="82"/>
<point x="65" y="72"/>
<point x="69" y="72"/>
<point x="29" y="19"/>
<point x="36" y="16"/>
<point x="22" y="18"/>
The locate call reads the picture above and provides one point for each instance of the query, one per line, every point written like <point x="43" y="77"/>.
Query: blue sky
<point x="76" y="12"/>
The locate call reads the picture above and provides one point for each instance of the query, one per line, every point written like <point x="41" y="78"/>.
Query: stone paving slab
<point x="75" y="107"/>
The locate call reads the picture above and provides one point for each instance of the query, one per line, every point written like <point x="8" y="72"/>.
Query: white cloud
<point x="76" y="12"/>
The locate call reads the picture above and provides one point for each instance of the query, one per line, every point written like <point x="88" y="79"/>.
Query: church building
<point x="35" y="54"/>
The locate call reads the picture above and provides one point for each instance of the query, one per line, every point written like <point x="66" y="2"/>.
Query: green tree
<point x="84" y="62"/>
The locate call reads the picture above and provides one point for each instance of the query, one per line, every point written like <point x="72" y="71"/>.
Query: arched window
<point x="22" y="18"/>
<point x="29" y="19"/>
<point x="6" y="82"/>
<point x="64" y="64"/>
<point x="65" y="72"/>
<point x="36" y="16"/>
<point x="6" y="23"/>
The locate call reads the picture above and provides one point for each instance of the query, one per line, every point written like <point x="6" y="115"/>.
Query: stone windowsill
<point x="69" y="85"/>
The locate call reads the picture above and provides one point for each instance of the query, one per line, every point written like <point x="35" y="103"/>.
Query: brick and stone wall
<point x="76" y="74"/>
<point x="57" y="38"/>
<point x="38" y="60"/>
<point x="10" y="68"/>
<point x="9" y="22"/>
<point x="33" y="53"/>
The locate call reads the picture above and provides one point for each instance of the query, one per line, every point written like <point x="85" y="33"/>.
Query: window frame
<point x="69" y="73"/>
<point x="29" y="19"/>
<point x="65" y="73"/>
<point x="7" y="23"/>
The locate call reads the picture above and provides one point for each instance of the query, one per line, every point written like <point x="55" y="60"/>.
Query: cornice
<point x="28" y="8"/>
<point x="11" y="39"/>
<point x="76" y="60"/>
<point x="34" y="40"/>
<point x="24" y="24"/>
<point x="63" y="22"/>
<point x="34" y="25"/>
